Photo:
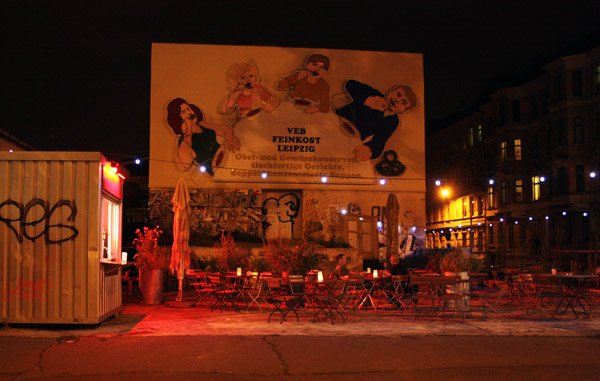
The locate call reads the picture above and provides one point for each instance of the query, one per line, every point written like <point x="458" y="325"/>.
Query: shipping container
<point x="60" y="237"/>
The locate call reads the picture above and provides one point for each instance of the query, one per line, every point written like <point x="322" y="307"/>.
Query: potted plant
<point x="151" y="260"/>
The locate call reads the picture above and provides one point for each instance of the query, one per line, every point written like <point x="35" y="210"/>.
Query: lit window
<point x="536" y="187"/>
<point x="519" y="190"/>
<point x="491" y="199"/>
<point x="470" y="137"/>
<point x="479" y="133"/>
<point x="503" y="152"/>
<point x="517" y="149"/>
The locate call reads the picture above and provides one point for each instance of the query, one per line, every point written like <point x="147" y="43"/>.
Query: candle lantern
<point x="124" y="258"/>
<point x="375" y="273"/>
<point x="239" y="271"/>
<point x="320" y="276"/>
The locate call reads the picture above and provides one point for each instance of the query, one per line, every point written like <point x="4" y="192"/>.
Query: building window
<point x="479" y="133"/>
<point x="511" y="234"/>
<point x="576" y="79"/>
<point x="558" y="88"/>
<point x="480" y="205"/>
<point x="568" y="229"/>
<point x="491" y="197"/>
<point x="536" y="188"/>
<point x="517" y="149"/>
<point x="470" y="137"/>
<point x="559" y="132"/>
<point x="585" y="229"/>
<point x="552" y="228"/>
<point x="519" y="190"/>
<point x="534" y="111"/>
<point x="491" y="235"/>
<point x="501" y="116"/>
<point x="516" y="106"/>
<point x="505" y="192"/>
<point x="578" y="129"/>
<point x="579" y="179"/>
<point x="522" y="234"/>
<point x="562" y="180"/>
<point x="503" y="152"/>
<point x="535" y="146"/>
<point x="465" y="210"/>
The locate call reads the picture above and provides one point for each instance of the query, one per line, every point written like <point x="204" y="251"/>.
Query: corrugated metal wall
<point x="49" y="238"/>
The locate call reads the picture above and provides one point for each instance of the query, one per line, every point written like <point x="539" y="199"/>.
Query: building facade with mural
<point x="298" y="143"/>
<point x="517" y="172"/>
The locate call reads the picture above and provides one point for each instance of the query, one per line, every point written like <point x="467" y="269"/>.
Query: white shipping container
<point x="60" y="237"/>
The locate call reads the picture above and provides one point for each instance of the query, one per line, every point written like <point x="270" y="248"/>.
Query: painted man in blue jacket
<point x="374" y="115"/>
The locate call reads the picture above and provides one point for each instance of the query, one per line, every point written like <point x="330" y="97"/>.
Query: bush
<point x="299" y="259"/>
<point x="231" y="256"/>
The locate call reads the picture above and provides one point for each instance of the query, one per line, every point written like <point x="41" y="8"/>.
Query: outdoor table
<point x="571" y="288"/>
<point x="373" y="284"/>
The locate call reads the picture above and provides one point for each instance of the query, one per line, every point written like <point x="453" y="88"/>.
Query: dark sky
<point x="78" y="73"/>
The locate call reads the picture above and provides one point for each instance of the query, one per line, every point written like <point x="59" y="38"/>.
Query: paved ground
<point x="159" y="342"/>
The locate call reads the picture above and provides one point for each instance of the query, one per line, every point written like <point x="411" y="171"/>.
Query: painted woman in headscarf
<point x="197" y="138"/>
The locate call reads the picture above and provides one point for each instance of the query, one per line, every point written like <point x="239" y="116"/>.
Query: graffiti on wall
<point x="212" y="212"/>
<point x="27" y="220"/>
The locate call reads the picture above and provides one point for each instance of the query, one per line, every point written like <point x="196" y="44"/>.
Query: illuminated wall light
<point x="445" y="192"/>
<point x="479" y="224"/>
<point x="542" y="179"/>
<point x="202" y="169"/>
<point x="438" y="183"/>
<point x="12" y="150"/>
<point x="469" y="229"/>
<point x="450" y="229"/>
<point x="344" y="212"/>
<point x="324" y="179"/>
<point x="502" y="220"/>
<point x="564" y="213"/>
<point x="490" y="225"/>
<point x="491" y="182"/>
<point x="547" y="217"/>
<point x="592" y="174"/>
<point x="516" y="222"/>
<point x="441" y="232"/>
<point x="460" y="225"/>
<point x="381" y="181"/>
<point x="138" y="161"/>
<point x="530" y="218"/>
<point x="264" y="175"/>
<point x="585" y="214"/>
<point x="379" y="225"/>
<point x="360" y="218"/>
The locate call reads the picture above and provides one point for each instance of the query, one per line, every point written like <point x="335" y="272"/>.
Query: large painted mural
<point x="235" y="116"/>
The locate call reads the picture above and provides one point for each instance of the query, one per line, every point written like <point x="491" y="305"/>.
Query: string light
<point x="593" y="175"/>
<point x="138" y="161"/>
<point x="264" y="175"/>
<point x="382" y="181"/>
<point x="564" y="213"/>
<point x="202" y="169"/>
<point x="324" y="179"/>
<point x="438" y="183"/>
<point x="585" y="214"/>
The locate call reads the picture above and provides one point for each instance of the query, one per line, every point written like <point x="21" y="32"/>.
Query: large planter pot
<point x="151" y="285"/>
<point x="459" y="288"/>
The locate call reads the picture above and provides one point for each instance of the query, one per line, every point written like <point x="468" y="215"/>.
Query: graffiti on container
<point x="24" y="223"/>
<point x="37" y="289"/>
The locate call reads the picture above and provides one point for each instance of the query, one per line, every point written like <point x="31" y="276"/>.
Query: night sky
<point x="78" y="73"/>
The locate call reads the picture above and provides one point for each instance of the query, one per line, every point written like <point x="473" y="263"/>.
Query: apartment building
<point x="514" y="178"/>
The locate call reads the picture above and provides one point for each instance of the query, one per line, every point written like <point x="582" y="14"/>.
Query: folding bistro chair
<point x="331" y="301"/>
<point x="280" y="298"/>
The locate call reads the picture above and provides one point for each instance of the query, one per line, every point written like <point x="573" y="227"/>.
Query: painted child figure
<point x="309" y="91"/>
<point x="373" y="116"/>
<point x="247" y="95"/>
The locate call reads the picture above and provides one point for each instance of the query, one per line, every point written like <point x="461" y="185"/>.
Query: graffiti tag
<point x="24" y="224"/>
